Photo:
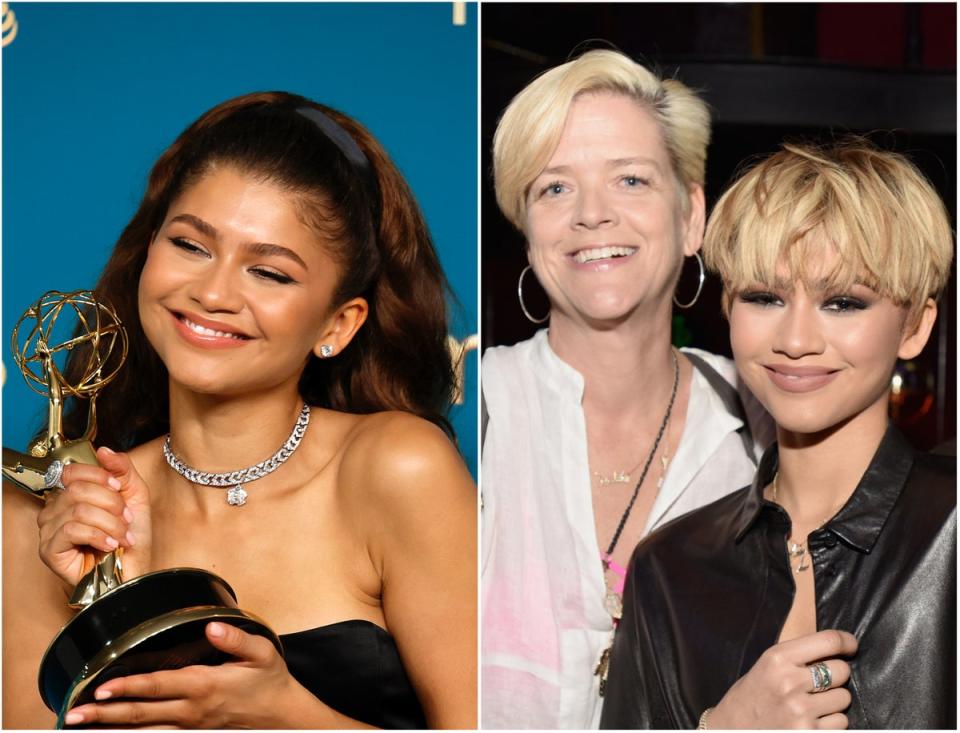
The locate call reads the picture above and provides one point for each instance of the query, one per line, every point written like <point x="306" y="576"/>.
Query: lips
<point x="799" y="379"/>
<point x="208" y="333"/>
<point x="604" y="252"/>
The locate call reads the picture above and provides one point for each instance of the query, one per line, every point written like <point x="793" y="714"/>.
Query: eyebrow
<point x="621" y="162"/>
<point x="197" y="223"/>
<point x="612" y="163"/>
<point x="264" y="249"/>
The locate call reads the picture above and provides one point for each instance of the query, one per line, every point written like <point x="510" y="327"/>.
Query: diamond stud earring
<point x="326" y="351"/>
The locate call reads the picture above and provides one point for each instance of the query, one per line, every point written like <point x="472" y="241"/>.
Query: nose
<point x="799" y="331"/>
<point x="217" y="288"/>
<point x="594" y="208"/>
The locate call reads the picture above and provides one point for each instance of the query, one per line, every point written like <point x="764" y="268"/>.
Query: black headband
<point x="351" y="151"/>
<point x="338" y="136"/>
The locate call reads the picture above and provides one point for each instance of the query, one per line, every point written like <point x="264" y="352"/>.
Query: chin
<point x="206" y="383"/>
<point x="804" y="424"/>
<point x="606" y="309"/>
<point x="229" y="383"/>
<point x="819" y="420"/>
<point x="815" y="414"/>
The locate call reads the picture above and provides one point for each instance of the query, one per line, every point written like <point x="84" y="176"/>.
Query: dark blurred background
<point x="769" y="72"/>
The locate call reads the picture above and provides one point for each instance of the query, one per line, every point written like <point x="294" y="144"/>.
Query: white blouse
<point x="544" y="625"/>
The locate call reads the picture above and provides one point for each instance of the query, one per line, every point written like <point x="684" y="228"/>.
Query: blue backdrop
<point x="93" y="93"/>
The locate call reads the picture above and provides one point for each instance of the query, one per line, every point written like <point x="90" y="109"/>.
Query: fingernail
<point x="112" y="543"/>
<point x="127" y="514"/>
<point x="131" y="540"/>
<point x="216" y="629"/>
<point x="102" y="694"/>
<point x="113" y="483"/>
<point x="73" y="717"/>
<point x="108" y="449"/>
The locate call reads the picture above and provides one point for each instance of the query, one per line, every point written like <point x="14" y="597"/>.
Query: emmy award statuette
<point x="152" y="622"/>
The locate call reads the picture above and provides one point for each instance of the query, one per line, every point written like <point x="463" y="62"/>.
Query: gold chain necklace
<point x="616" y="477"/>
<point x="623" y="477"/>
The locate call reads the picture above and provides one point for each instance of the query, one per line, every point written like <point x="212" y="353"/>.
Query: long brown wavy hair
<point x="397" y="361"/>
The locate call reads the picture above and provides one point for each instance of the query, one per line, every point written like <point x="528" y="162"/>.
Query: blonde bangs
<point x="832" y="218"/>
<point x="530" y="129"/>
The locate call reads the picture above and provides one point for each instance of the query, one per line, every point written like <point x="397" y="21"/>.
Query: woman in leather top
<point x="277" y="273"/>
<point x="824" y="595"/>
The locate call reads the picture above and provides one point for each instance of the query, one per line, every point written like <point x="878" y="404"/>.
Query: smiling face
<point x="605" y="221"/>
<point x="817" y="358"/>
<point x="236" y="291"/>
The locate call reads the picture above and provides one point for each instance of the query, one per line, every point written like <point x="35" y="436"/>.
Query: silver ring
<point x="821" y="676"/>
<point x="54" y="474"/>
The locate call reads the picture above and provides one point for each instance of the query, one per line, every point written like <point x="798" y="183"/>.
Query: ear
<point x="342" y="326"/>
<point x="695" y="222"/>
<point x="915" y="335"/>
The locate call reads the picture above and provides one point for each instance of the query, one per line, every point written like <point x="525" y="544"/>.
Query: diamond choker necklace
<point x="237" y="495"/>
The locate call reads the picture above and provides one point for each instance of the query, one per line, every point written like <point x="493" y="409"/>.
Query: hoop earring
<point x="696" y="295"/>
<point x="520" y="296"/>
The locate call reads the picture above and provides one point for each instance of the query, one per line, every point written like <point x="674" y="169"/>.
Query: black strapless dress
<point x="354" y="667"/>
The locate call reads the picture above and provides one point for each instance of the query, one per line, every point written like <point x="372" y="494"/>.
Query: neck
<point x="216" y="433"/>
<point x="818" y="472"/>
<point x="621" y="364"/>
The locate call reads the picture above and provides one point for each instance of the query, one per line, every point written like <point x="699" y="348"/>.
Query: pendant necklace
<point x="613" y="601"/>
<point x="236" y="494"/>
<point x="795" y="549"/>
<point x="613" y="597"/>
<point x="616" y="477"/>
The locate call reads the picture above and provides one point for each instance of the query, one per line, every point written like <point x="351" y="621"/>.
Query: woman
<point x="598" y="431"/>
<point x="277" y="273"/>
<point x="824" y="595"/>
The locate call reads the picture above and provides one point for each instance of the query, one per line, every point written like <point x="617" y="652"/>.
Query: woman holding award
<point x="599" y="430"/>
<point x="287" y="325"/>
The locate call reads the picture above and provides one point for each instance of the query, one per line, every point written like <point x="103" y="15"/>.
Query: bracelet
<point x="702" y="725"/>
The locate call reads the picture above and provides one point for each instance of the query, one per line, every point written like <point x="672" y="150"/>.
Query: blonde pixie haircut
<point x="883" y="219"/>
<point x="530" y="128"/>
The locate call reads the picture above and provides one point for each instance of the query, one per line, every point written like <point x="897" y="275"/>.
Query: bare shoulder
<point x="400" y="456"/>
<point x="148" y="456"/>
<point x="146" y="450"/>
<point x="395" y="445"/>
<point x="406" y="490"/>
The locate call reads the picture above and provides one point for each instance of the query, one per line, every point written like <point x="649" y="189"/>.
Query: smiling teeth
<point x="204" y="331"/>
<point x="602" y="253"/>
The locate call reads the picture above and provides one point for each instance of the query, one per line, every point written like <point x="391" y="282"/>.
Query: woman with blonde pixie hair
<point x="598" y="430"/>
<point x="824" y="595"/>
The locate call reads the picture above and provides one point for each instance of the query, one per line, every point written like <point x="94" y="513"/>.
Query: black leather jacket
<point x="708" y="593"/>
